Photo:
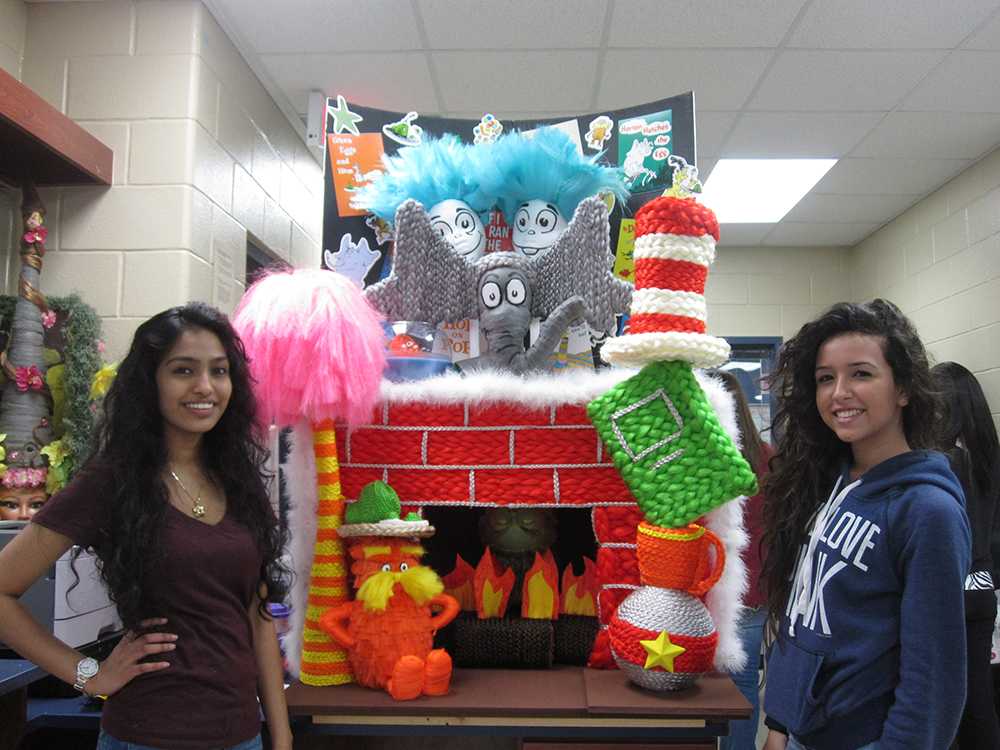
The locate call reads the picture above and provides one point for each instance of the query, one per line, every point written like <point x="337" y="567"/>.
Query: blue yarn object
<point x="434" y="171"/>
<point x="544" y="166"/>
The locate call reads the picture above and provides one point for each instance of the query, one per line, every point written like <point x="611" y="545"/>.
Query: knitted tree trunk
<point x="323" y="661"/>
<point x="24" y="412"/>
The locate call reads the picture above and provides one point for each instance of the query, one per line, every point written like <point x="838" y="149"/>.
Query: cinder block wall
<point x="202" y="157"/>
<point x="13" y="22"/>
<point x="940" y="262"/>
<point x="772" y="291"/>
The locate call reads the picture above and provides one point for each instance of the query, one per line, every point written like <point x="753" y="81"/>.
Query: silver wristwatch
<point x="85" y="669"/>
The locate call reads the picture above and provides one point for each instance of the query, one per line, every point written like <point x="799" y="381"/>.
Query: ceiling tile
<point x="845" y="81"/>
<point x="988" y="37"/>
<point x="889" y="24"/>
<point x="896" y="176"/>
<point x="711" y="129"/>
<point x="516" y="81"/>
<point x="513" y="24"/>
<point x="400" y="81"/>
<point x="948" y="135"/>
<point x="799" y="134"/>
<point x="964" y="82"/>
<point x="707" y="23"/>
<point x="719" y="81"/>
<point x="738" y="235"/>
<point x="818" y="234"/>
<point x="325" y="25"/>
<point x="847" y="209"/>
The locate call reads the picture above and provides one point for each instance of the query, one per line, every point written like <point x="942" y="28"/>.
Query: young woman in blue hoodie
<point x="867" y="544"/>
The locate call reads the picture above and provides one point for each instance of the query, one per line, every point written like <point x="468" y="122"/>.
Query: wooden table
<point x="564" y="703"/>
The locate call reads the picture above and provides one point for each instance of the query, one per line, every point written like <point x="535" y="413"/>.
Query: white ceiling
<point x="903" y="92"/>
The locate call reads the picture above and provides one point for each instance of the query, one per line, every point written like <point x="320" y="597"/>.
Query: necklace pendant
<point x="198" y="510"/>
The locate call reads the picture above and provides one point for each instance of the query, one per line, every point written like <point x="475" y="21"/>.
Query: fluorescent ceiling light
<point x="760" y="191"/>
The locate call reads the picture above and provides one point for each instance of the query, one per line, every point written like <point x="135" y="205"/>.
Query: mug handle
<point x="701" y="588"/>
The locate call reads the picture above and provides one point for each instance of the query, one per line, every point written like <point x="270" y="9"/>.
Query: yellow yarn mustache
<point x="419" y="582"/>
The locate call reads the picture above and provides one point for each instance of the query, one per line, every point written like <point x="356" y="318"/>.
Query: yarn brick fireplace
<point x="440" y="450"/>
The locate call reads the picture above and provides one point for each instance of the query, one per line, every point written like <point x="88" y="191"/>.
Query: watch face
<point x="87" y="668"/>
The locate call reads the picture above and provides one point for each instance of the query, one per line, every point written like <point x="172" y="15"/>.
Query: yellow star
<point x="661" y="652"/>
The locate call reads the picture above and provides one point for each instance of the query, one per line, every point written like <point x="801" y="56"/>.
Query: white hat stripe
<point x="699" y="250"/>
<point x="668" y="302"/>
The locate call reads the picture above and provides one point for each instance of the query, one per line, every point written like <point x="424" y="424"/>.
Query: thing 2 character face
<point x="537" y="227"/>
<point x="460" y="227"/>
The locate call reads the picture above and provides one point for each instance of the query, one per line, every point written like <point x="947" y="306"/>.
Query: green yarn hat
<point x="668" y="445"/>
<point x="376" y="513"/>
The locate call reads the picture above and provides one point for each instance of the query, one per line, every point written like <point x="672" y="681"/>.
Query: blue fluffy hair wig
<point x="434" y="171"/>
<point x="545" y="166"/>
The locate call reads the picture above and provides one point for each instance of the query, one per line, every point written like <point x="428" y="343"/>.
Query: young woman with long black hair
<point x="867" y="543"/>
<point x="173" y="501"/>
<point x="969" y="439"/>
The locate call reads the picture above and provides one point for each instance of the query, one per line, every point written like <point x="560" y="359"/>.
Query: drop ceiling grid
<point x="901" y="91"/>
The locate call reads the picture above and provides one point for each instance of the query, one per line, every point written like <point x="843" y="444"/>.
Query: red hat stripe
<point x="680" y="275"/>
<point x="659" y="322"/>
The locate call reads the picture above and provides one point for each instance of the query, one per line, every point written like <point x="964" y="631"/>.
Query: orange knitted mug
<point x="679" y="558"/>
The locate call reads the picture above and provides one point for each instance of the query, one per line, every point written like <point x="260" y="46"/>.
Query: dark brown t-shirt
<point x="207" y="579"/>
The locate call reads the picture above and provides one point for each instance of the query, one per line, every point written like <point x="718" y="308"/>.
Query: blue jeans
<point x="107" y="742"/>
<point x="794" y="744"/>
<point x="743" y="734"/>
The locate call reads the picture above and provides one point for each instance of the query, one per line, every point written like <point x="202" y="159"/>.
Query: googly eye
<point x="404" y="566"/>
<point x="516" y="292"/>
<point x="386" y="568"/>
<point x="491" y="294"/>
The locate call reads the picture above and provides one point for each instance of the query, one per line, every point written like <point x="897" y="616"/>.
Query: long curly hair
<point x="809" y="455"/>
<point x="131" y="451"/>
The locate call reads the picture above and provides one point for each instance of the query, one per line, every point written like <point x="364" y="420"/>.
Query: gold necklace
<point x="197" y="509"/>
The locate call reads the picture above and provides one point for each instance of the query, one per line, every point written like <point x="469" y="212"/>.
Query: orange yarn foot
<point x="437" y="672"/>
<point x="407" y="678"/>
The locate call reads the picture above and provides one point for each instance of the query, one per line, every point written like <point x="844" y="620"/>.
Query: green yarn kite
<point x="669" y="446"/>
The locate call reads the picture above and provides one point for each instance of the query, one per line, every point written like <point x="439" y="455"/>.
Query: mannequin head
<point x="21" y="503"/>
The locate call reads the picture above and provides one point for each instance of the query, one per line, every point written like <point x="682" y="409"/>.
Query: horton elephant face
<point x="504" y="300"/>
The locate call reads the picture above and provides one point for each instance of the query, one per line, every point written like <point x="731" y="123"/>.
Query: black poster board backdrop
<point x="635" y="138"/>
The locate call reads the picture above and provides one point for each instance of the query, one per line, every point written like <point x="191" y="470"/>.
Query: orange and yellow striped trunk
<point x="324" y="662"/>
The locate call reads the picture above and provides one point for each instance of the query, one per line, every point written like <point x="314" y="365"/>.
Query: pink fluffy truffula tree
<point x="316" y="354"/>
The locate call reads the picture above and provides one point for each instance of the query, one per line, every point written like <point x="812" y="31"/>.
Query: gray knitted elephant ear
<point x="429" y="281"/>
<point x="580" y="263"/>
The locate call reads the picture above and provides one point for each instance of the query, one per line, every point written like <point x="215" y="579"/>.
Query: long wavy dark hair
<point x="967" y="419"/>
<point x="809" y="455"/>
<point x="131" y="451"/>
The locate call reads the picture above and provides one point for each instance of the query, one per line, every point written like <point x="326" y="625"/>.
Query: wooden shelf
<point x="40" y="143"/>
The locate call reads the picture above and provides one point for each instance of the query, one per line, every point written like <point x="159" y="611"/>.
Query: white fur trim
<point x="700" y="250"/>
<point x="638" y="349"/>
<point x="669" y="302"/>
<point x="724" y="600"/>
<point x="300" y="477"/>
<point x="535" y="392"/>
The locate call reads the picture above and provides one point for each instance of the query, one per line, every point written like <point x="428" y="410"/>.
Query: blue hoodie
<point x="872" y="643"/>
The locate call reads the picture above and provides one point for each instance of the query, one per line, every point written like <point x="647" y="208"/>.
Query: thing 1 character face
<point x="459" y="226"/>
<point x="537" y="227"/>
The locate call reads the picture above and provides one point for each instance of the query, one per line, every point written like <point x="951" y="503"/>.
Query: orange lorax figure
<point x="388" y="630"/>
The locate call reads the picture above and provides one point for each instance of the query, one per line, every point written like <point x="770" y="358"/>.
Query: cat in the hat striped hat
<point x="675" y="240"/>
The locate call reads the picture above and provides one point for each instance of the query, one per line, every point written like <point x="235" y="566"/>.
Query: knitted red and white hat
<point x="674" y="246"/>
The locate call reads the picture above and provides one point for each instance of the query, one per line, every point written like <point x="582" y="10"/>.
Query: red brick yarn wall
<point x="484" y="455"/>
